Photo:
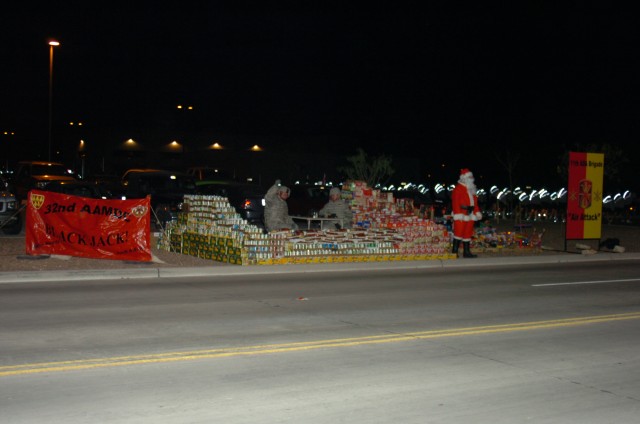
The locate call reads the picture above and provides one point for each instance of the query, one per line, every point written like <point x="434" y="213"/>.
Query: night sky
<point x="445" y="82"/>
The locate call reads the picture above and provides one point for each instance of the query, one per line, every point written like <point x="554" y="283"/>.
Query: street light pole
<point x="83" y="154"/>
<point x="52" y="44"/>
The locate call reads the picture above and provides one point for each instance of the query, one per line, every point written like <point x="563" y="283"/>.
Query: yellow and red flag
<point x="584" y="202"/>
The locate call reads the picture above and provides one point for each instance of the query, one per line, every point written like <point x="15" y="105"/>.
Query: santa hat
<point x="464" y="172"/>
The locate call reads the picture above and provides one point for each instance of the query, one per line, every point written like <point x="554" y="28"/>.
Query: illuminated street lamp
<point x="83" y="154"/>
<point x="6" y="141"/>
<point x="255" y="148"/>
<point x="175" y="146"/>
<point x="131" y="144"/>
<point x="52" y="44"/>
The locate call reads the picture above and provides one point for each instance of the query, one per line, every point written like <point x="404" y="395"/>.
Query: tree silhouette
<point x="373" y="171"/>
<point x="509" y="162"/>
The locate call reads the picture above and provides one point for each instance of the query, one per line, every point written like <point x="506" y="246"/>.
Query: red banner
<point x="90" y="228"/>
<point x="584" y="203"/>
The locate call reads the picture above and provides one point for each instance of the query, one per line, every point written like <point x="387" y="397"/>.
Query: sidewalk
<point x="15" y="266"/>
<point x="229" y="270"/>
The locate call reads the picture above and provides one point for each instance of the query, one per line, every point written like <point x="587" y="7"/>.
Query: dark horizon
<point x="434" y="83"/>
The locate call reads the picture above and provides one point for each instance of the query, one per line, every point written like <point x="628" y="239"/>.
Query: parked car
<point x="304" y="200"/>
<point x="110" y="183"/>
<point x="9" y="209"/>
<point x="207" y="173"/>
<point x="37" y="174"/>
<point x="166" y="188"/>
<point x="79" y="188"/>
<point x="247" y="199"/>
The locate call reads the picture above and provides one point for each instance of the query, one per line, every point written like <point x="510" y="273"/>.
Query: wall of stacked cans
<point x="384" y="229"/>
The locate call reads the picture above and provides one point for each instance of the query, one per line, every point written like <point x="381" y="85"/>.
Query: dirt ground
<point x="13" y="258"/>
<point x="553" y="236"/>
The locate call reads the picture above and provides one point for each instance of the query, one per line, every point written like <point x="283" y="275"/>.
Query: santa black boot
<point x="467" y="251"/>
<point x="456" y="246"/>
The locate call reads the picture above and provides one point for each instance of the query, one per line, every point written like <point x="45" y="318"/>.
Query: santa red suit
<point x="465" y="212"/>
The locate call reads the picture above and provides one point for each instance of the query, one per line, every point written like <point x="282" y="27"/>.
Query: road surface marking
<point x="48" y="367"/>
<point x="587" y="282"/>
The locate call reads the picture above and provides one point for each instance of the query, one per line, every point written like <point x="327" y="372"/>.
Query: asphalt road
<point x="544" y="343"/>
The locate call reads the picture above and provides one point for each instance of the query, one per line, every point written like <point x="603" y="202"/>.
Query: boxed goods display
<point x="383" y="230"/>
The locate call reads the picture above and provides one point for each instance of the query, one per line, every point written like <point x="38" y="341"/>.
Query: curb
<point x="183" y="272"/>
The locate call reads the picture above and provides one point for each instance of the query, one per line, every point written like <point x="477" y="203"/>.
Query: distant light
<point x="54" y="43"/>
<point x="256" y="148"/>
<point x="216" y="146"/>
<point x="172" y="177"/>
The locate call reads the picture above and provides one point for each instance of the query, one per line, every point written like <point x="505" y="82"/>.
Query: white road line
<point x="587" y="282"/>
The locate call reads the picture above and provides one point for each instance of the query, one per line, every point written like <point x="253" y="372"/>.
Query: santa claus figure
<point x="465" y="212"/>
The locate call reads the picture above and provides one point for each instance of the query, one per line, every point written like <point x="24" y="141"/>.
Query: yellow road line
<point x="301" y="346"/>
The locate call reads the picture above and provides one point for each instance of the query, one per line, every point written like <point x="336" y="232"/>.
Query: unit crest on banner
<point x="37" y="200"/>
<point x="584" y="195"/>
